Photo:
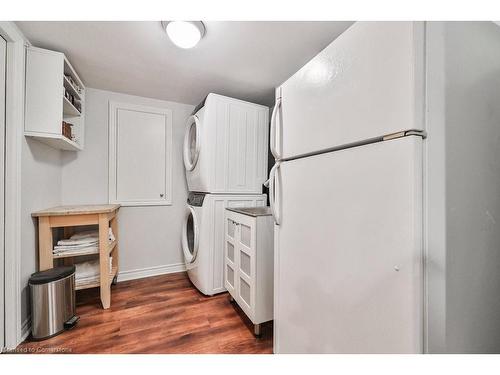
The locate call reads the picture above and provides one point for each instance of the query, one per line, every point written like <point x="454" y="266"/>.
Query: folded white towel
<point x="80" y="246"/>
<point x="92" y="234"/>
<point x="85" y="234"/>
<point x="75" y="242"/>
<point x="68" y="251"/>
<point x="88" y="280"/>
<point x="81" y="241"/>
<point x="89" y="269"/>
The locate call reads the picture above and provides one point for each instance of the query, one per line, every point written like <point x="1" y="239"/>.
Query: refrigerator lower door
<point x="348" y="251"/>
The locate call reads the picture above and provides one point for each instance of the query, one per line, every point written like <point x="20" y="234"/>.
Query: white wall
<point x="149" y="236"/>
<point x="40" y="188"/>
<point x="472" y="55"/>
<point x="464" y="144"/>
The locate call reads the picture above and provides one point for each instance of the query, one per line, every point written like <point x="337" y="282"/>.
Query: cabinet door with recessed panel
<point x="230" y="272"/>
<point x="140" y="145"/>
<point x="245" y="249"/>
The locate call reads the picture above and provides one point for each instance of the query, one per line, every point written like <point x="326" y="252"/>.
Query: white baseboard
<point x="26" y="328"/>
<point x="151" y="271"/>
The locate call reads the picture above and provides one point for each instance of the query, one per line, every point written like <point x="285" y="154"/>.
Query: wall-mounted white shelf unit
<point x="49" y="75"/>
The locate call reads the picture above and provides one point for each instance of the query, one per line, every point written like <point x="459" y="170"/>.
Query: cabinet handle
<point x="161" y="195"/>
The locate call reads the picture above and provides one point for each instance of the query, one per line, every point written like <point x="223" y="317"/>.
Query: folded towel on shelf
<point x="89" y="270"/>
<point x="88" y="280"/>
<point x="76" y="242"/>
<point x="92" y="234"/>
<point x="85" y="234"/>
<point x="86" y="241"/>
<point x="81" y="246"/>
<point x="69" y="251"/>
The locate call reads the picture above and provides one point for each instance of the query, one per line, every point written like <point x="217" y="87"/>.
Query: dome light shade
<point x="184" y="34"/>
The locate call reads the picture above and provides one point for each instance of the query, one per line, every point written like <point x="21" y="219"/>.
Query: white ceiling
<point x="245" y="60"/>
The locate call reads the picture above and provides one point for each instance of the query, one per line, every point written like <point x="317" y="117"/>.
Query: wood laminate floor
<point x="162" y="314"/>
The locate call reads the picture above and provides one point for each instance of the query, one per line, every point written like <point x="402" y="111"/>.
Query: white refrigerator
<point x="346" y="192"/>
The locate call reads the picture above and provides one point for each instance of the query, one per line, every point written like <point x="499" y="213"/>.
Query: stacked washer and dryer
<point x="225" y="155"/>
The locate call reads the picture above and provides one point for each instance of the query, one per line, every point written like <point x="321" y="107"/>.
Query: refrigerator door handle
<point x="272" y="196"/>
<point x="272" y="143"/>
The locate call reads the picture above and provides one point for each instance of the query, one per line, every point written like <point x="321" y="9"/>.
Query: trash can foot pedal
<point x="71" y="322"/>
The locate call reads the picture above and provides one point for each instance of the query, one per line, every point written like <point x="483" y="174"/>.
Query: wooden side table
<point x="68" y="217"/>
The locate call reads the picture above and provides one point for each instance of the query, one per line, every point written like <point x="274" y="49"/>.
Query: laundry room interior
<point x="250" y="187"/>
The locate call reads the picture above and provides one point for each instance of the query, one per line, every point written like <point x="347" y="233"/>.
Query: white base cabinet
<point x="249" y="261"/>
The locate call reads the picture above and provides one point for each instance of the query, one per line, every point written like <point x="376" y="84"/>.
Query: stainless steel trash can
<point x="52" y="301"/>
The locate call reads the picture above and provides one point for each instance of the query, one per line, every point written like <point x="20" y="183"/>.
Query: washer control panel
<point x="196" y="199"/>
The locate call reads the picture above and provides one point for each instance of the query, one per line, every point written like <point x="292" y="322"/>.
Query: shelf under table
<point x="96" y="284"/>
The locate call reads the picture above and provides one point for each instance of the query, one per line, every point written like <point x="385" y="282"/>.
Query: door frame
<point x="14" y="125"/>
<point x="3" y="88"/>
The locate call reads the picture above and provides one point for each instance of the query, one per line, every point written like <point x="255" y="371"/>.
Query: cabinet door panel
<point x="245" y="293"/>
<point x="245" y="245"/>
<point x="140" y="155"/>
<point x="246" y="235"/>
<point x="44" y="91"/>
<point x="230" y="271"/>
<point x="230" y="253"/>
<point x="230" y="279"/>
<point x="246" y="264"/>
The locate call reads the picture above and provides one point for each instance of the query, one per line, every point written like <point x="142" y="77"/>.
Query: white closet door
<point x="364" y="85"/>
<point x="140" y="155"/>
<point x="348" y="272"/>
<point x="3" y="61"/>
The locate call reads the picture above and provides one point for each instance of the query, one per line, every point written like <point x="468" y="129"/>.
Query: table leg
<point x="104" y="261"/>
<point x="45" y="260"/>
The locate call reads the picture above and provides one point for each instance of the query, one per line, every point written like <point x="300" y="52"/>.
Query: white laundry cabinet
<point x="54" y="94"/>
<point x="249" y="261"/>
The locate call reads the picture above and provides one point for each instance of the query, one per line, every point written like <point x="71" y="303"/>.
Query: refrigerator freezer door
<point x="366" y="84"/>
<point x="348" y="252"/>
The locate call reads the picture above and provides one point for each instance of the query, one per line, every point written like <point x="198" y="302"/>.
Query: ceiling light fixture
<point x="184" y="34"/>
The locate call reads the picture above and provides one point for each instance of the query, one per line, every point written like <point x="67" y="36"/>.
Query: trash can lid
<point x="53" y="274"/>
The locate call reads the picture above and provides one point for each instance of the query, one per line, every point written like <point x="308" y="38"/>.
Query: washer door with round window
<point x="190" y="236"/>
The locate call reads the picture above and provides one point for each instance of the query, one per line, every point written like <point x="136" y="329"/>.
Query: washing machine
<point x="225" y="146"/>
<point x="203" y="236"/>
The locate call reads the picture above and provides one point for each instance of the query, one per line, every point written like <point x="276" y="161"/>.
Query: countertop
<point x="85" y="209"/>
<point x="252" y="211"/>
